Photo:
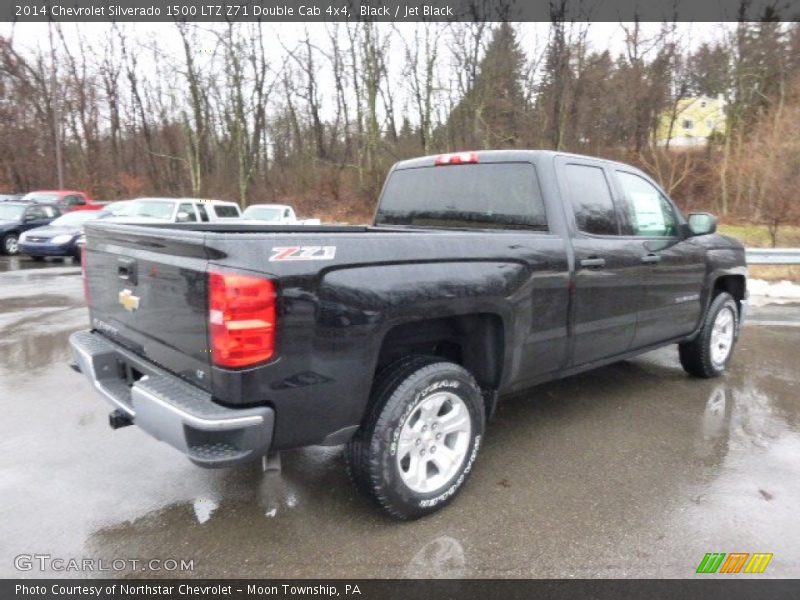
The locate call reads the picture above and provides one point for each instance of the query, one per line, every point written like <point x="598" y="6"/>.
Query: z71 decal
<point x="302" y="253"/>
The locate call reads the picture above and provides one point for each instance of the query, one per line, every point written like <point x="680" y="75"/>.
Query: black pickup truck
<point x="484" y="273"/>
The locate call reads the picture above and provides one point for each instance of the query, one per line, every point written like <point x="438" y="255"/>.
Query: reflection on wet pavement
<point x="632" y="470"/>
<point x="20" y="263"/>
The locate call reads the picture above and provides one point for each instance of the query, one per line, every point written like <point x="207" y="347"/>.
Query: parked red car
<point x="65" y="200"/>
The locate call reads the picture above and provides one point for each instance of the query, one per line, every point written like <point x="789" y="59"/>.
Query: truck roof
<point x="268" y="205"/>
<point x="165" y="199"/>
<point x="59" y="192"/>
<point x="490" y="156"/>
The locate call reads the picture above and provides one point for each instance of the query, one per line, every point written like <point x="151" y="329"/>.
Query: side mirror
<point x="182" y="217"/>
<point x="29" y="218"/>
<point x="702" y="223"/>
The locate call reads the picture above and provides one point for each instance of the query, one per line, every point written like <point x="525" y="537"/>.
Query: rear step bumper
<point x="170" y="409"/>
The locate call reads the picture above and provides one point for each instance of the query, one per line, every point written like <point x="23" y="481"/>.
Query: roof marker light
<point x="457" y="158"/>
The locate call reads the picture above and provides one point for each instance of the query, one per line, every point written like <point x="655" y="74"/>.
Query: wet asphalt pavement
<point x="633" y="470"/>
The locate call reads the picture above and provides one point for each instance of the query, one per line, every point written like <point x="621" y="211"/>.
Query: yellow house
<point x="696" y="119"/>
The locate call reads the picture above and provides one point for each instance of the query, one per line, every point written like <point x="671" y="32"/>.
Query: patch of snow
<point x="764" y="292"/>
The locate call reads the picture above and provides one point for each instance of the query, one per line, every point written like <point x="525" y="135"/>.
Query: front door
<point x="674" y="265"/>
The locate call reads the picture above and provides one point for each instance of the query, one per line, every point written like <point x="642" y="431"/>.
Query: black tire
<point x="9" y="245"/>
<point x="696" y="356"/>
<point x="399" y="391"/>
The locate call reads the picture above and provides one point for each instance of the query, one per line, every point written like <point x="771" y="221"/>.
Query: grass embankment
<point x="757" y="236"/>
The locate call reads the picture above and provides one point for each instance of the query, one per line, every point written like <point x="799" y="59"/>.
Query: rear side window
<point x="480" y="196"/>
<point x="186" y="213"/>
<point x="225" y="212"/>
<point x="591" y="200"/>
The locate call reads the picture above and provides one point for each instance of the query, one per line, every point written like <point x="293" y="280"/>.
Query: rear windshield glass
<point x="78" y="217"/>
<point x="147" y="208"/>
<point x="9" y="212"/>
<point x="226" y="211"/>
<point x="263" y="214"/>
<point x="490" y="195"/>
<point x="41" y="197"/>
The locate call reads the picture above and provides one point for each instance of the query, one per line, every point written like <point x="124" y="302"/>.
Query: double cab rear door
<point x="637" y="280"/>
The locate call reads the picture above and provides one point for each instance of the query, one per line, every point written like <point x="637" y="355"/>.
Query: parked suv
<point x="176" y="210"/>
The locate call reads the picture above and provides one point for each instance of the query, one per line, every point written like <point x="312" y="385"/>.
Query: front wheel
<point x="419" y="443"/>
<point x="708" y="354"/>
<point x="11" y="244"/>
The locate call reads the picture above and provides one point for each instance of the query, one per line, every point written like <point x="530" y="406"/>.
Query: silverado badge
<point x="128" y="300"/>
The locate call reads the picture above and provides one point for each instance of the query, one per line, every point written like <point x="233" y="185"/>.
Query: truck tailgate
<point x="148" y="292"/>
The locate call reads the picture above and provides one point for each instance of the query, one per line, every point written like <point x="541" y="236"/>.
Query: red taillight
<point x="459" y="158"/>
<point x="83" y="273"/>
<point x="241" y="319"/>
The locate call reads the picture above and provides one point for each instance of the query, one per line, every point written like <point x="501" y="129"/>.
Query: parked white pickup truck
<point x="176" y="210"/>
<point x="279" y="214"/>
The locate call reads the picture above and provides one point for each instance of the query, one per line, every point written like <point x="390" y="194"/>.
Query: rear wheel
<point x="421" y="438"/>
<point x="708" y="354"/>
<point x="10" y="243"/>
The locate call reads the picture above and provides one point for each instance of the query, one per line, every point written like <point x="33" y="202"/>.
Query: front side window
<point x="591" y="200"/>
<point x="650" y="212"/>
<point x="35" y="212"/>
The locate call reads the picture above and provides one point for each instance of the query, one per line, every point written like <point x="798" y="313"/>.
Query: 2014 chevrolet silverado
<point x="484" y="273"/>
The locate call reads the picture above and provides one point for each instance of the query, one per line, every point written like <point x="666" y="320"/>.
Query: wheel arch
<point x="734" y="284"/>
<point x="475" y="341"/>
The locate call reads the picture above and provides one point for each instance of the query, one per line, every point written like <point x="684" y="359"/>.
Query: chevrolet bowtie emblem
<point x="128" y="300"/>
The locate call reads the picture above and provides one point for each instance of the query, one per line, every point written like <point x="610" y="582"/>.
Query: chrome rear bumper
<point x="169" y="408"/>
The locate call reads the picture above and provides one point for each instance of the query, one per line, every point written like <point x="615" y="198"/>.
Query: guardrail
<point x="773" y="256"/>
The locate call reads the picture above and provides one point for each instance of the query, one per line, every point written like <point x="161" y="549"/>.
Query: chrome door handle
<point x="593" y="263"/>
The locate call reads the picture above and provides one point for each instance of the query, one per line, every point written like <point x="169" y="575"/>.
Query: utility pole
<point x="56" y="116"/>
